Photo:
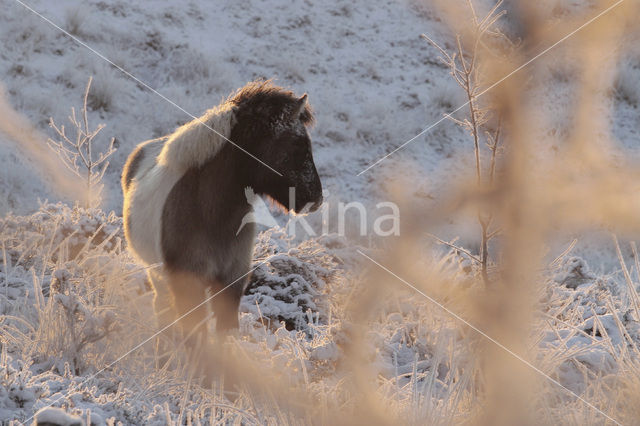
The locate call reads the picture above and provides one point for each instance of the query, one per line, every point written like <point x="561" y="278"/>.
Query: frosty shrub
<point x="290" y="286"/>
<point x="78" y="152"/>
<point x="482" y="124"/>
<point x="70" y="257"/>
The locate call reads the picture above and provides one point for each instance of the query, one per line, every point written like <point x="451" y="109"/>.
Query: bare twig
<point x="463" y="67"/>
<point x="557" y="260"/>
<point x="636" y="259"/>
<point x="77" y="155"/>
<point x="493" y="141"/>
<point x="455" y="247"/>
<point x="633" y="294"/>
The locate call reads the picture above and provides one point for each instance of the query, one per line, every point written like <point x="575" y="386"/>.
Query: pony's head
<point x="271" y="123"/>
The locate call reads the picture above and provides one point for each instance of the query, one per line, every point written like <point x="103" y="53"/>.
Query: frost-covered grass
<point x="73" y="302"/>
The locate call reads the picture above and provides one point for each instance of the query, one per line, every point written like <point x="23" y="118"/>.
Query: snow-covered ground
<point x="374" y="84"/>
<point x="75" y="308"/>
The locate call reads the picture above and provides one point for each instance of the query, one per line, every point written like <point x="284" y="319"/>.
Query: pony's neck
<point x="221" y="186"/>
<point x="195" y="143"/>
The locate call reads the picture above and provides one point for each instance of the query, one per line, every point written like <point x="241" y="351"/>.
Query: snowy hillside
<point x="198" y="54"/>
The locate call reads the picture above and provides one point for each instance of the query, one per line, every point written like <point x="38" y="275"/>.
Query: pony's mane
<point x="263" y="98"/>
<point x="193" y="144"/>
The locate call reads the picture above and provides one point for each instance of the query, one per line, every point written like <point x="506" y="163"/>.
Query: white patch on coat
<point x="192" y="144"/>
<point x="144" y="204"/>
<point x="161" y="168"/>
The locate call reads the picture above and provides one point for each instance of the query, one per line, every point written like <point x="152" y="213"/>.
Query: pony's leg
<point x="165" y="314"/>
<point x="223" y="365"/>
<point x="187" y="292"/>
<point x="225" y="305"/>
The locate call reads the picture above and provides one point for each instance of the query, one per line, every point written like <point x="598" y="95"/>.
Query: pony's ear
<point x="301" y="103"/>
<point x="303" y="111"/>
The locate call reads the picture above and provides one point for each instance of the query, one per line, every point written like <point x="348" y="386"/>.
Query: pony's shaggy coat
<point x="184" y="195"/>
<point x="155" y="167"/>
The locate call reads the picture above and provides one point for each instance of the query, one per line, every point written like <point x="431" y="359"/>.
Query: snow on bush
<point x="58" y="275"/>
<point x="58" y="417"/>
<point x="594" y="321"/>
<point x="290" y="285"/>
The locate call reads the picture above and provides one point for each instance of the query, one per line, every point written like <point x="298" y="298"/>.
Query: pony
<point x="184" y="198"/>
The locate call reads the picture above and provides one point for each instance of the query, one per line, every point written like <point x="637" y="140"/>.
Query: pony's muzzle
<point x="316" y="205"/>
<point x="308" y="206"/>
